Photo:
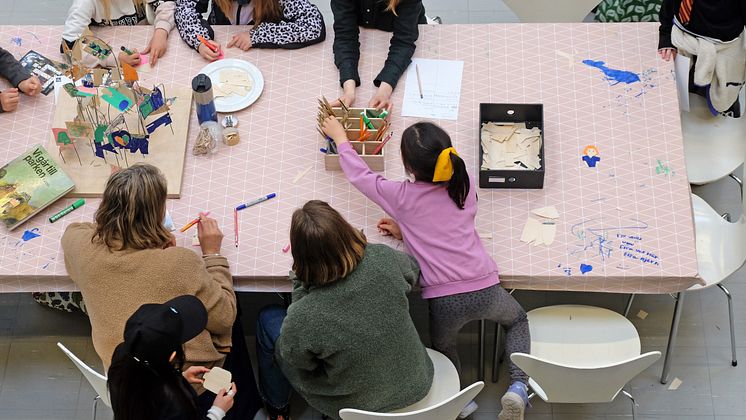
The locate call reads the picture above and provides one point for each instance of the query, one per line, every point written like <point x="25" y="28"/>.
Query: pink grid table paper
<point x="625" y="226"/>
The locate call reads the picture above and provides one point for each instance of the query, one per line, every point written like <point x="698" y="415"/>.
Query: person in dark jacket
<point x="145" y="379"/>
<point x="21" y="80"/>
<point x="398" y="16"/>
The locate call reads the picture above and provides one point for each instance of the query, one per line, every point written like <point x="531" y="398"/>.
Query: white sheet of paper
<point x="441" y="89"/>
<point x="217" y="379"/>
<point x="681" y="65"/>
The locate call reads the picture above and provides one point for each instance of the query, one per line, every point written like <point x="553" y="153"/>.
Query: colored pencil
<point x="235" y="225"/>
<point x="383" y="143"/>
<point x="419" y="81"/>
<point x="193" y="222"/>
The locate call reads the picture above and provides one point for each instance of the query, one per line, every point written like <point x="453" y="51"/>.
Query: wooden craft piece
<point x="79" y="129"/>
<point x="549" y="212"/>
<point x="163" y="148"/>
<point x="130" y="74"/>
<point x="217" y="379"/>
<point x="531" y="231"/>
<point x="548" y="232"/>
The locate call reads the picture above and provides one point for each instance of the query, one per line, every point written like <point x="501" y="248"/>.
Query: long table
<point x="625" y="225"/>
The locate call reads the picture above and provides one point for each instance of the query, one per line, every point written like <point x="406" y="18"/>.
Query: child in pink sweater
<point x="434" y="216"/>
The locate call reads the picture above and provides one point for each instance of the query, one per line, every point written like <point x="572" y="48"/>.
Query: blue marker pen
<point x="254" y="202"/>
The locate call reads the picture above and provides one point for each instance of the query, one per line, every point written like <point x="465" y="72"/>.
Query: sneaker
<point x="468" y="410"/>
<point x="514" y="402"/>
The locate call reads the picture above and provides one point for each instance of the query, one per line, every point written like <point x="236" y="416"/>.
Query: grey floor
<point x="37" y="382"/>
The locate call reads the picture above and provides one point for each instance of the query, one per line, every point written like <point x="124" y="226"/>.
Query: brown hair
<point x="264" y="10"/>
<point x="132" y="209"/>
<point x="391" y="7"/>
<point x="325" y="246"/>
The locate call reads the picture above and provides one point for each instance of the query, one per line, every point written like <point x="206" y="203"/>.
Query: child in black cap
<point x="145" y="377"/>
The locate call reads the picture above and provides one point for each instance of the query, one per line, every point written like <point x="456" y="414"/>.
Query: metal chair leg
<point x="629" y="304"/>
<point x="480" y="374"/>
<point x="496" y="354"/>
<point x="95" y="405"/>
<point x="634" y="404"/>
<point x="734" y="361"/>
<point x="740" y="183"/>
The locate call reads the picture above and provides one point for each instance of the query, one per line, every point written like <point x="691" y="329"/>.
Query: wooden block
<point x="217" y="379"/>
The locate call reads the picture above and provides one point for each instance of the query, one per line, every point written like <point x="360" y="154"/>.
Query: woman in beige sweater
<point x="128" y="258"/>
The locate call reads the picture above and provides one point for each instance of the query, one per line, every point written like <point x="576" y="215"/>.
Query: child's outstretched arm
<point x="303" y="25"/>
<point x="162" y="26"/>
<point x="380" y="190"/>
<point x="11" y="69"/>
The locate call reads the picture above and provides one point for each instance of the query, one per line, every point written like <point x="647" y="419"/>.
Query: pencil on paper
<point x="419" y="80"/>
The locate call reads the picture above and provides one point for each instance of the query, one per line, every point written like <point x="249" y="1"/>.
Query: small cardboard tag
<point x="217" y="379"/>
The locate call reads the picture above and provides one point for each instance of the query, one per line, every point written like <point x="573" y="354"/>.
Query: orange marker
<point x="207" y="44"/>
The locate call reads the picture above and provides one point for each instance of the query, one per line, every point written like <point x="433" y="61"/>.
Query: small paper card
<point x="217" y="379"/>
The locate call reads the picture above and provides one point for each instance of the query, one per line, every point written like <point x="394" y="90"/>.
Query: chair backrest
<point x="97" y="380"/>
<point x="550" y="11"/>
<point x="446" y="410"/>
<point x="569" y="384"/>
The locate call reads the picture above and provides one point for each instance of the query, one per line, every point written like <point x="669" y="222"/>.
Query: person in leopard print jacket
<point x="285" y="24"/>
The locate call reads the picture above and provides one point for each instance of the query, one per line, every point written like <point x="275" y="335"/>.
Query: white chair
<point x="582" y="354"/>
<point x="714" y="146"/>
<point x="448" y="409"/>
<point x="97" y="381"/>
<point x="551" y="11"/>
<point x="442" y="399"/>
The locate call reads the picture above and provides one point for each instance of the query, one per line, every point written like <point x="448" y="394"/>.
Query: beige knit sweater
<point x="115" y="283"/>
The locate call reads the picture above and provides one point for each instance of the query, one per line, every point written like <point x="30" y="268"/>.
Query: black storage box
<point x="533" y="116"/>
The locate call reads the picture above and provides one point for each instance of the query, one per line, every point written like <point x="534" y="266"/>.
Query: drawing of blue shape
<point x="614" y="76"/>
<point x="30" y="234"/>
<point x="156" y="98"/>
<point x="101" y="147"/>
<point x="591" y="160"/>
<point x="163" y="120"/>
<point x="139" y="143"/>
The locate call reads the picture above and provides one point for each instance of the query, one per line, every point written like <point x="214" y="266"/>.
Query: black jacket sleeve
<point x="302" y="25"/>
<point x="403" y="45"/>
<point x="665" y="16"/>
<point x="11" y="69"/>
<point x="346" y="40"/>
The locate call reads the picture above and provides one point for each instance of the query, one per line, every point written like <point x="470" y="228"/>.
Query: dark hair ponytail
<point x="421" y="144"/>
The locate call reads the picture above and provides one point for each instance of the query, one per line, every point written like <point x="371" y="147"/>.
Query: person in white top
<point x="159" y="13"/>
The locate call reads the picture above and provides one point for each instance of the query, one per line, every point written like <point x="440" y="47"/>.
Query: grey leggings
<point x="448" y="314"/>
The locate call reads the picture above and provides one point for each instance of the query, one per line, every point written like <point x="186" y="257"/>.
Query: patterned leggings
<point x="448" y="314"/>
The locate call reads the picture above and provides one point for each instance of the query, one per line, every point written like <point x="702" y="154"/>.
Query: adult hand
<point x="133" y="60"/>
<point x="209" y="234"/>
<point x="207" y="53"/>
<point x="333" y="128"/>
<point x="667" y="53"/>
<point x="348" y="95"/>
<point x="389" y="227"/>
<point x="157" y="46"/>
<point x="9" y="99"/>
<point x="241" y="40"/>
<point x="30" y="86"/>
<point x="382" y="99"/>
<point x="224" y="400"/>
<point x="193" y="374"/>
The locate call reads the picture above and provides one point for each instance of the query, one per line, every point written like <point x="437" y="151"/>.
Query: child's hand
<point x="382" y="99"/>
<point x="133" y="60"/>
<point x="207" y="53"/>
<point x="241" y="40"/>
<point x="9" y="99"/>
<point x="389" y="227"/>
<point x="667" y="53"/>
<point x="193" y="374"/>
<point x="332" y="128"/>
<point x="30" y="86"/>
<point x="224" y="400"/>
<point x="157" y="46"/>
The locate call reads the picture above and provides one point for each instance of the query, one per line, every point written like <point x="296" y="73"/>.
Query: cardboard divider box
<point x="533" y="116"/>
<point x="366" y="148"/>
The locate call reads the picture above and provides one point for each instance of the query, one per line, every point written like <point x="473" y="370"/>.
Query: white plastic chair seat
<point x="97" y="380"/>
<point x="720" y="244"/>
<point x="551" y="11"/>
<point x="581" y="354"/>
<point x="446" y="383"/>
<point x="714" y="146"/>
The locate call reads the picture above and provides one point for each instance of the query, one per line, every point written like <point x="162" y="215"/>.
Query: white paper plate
<point x="234" y="103"/>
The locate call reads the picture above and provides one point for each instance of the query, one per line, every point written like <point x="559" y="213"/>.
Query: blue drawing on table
<point x="596" y="238"/>
<point x="584" y="268"/>
<point x="30" y="234"/>
<point x="614" y="76"/>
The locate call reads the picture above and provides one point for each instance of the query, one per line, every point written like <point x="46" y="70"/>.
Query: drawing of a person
<point x="590" y="156"/>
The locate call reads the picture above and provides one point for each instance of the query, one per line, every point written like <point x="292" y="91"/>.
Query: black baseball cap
<point x="156" y="330"/>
